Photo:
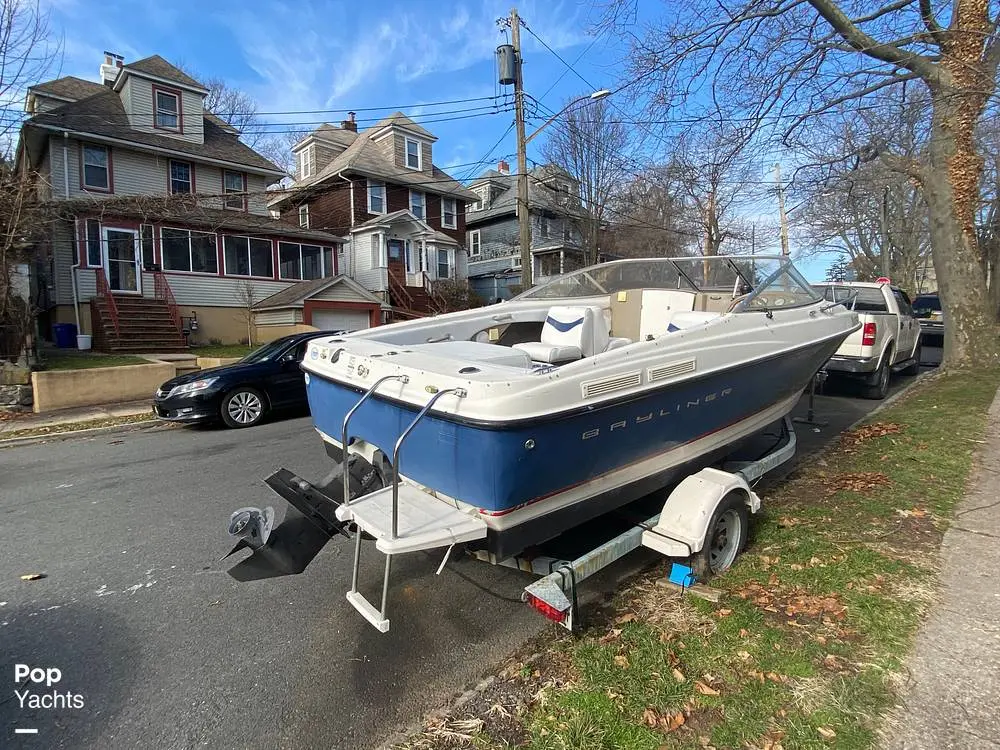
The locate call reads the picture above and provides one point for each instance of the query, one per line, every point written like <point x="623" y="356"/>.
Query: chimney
<point x="503" y="167"/>
<point x="111" y="67"/>
<point x="349" y="123"/>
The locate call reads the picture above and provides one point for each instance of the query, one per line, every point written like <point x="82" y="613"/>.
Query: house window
<point x="96" y="167"/>
<point x="146" y="240"/>
<point x="248" y="256"/>
<point x="414" y="158"/>
<point x="449" y="211"/>
<point x="300" y="262"/>
<point x="442" y="264"/>
<point x="93" y="242"/>
<point x="328" y="266"/>
<point x="418" y="203"/>
<point x="304" y="216"/>
<point x="187" y="250"/>
<point x="305" y="162"/>
<point x="376" y="250"/>
<point x="376" y="197"/>
<point x="181" y="177"/>
<point x="475" y="244"/>
<point x="479" y="204"/>
<point x="168" y="110"/>
<point x="234" y="182"/>
<point x="516" y="260"/>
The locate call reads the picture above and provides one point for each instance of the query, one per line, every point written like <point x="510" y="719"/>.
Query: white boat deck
<point x="425" y="522"/>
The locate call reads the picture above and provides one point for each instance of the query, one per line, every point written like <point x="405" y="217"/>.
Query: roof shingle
<point x="154" y="65"/>
<point x="69" y="87"/>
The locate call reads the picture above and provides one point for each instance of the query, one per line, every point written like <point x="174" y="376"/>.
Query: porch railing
<point x="437" y="301"/>
<point x="104" y="292"/>
<point x="162" y="291"/>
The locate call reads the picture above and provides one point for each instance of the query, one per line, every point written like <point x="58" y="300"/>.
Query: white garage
<point x="337" y="320"/>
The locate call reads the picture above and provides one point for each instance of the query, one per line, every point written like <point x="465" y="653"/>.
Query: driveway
<point x="167" y="651"/>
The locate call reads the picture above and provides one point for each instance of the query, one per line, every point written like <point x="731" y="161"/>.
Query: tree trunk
<point x="950" y="188"/>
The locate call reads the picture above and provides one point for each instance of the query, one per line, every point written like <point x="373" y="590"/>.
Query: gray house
<point x="493" y="240"/>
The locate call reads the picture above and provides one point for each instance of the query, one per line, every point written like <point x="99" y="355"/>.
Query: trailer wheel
<point x="725" y="538"/>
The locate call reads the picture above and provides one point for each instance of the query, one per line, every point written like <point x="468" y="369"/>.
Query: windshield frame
<point x="267" y="352"/>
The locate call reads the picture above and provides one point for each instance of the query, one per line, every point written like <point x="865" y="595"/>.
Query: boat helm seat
<point x="569" y="334"/>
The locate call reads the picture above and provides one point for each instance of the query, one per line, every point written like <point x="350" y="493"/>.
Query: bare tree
<point x="246" y="295"/>
<point x="647" y="217"/>
<point x="789" y="62"/>
<point x="27" y="54"/>
<point x="588" y="142"/>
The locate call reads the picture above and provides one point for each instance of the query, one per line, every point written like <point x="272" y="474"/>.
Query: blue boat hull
<point x="501" y="467"/>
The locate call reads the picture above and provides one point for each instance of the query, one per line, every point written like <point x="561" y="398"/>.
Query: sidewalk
<point x="69" y="417"/>
<point x="953" y="687"/>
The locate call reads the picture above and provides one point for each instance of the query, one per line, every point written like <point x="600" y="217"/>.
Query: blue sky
<point x="331" y="57"/>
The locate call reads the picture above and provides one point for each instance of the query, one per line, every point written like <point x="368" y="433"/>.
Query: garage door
<point x="340" y="320"/>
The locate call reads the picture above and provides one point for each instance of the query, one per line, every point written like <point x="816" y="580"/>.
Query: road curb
<point x="66" y="434"/>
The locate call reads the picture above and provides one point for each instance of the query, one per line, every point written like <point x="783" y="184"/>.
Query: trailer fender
<point x="683" y="523"/>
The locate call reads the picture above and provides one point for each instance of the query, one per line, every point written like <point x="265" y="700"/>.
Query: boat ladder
<point x="427" y="521"/>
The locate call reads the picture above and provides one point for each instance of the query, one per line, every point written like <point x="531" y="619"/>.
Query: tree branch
<point x="927" y="14"/>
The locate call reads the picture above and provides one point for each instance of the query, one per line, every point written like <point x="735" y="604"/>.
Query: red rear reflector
<point x="546" y="609"/>
<point x="868" y="335"/>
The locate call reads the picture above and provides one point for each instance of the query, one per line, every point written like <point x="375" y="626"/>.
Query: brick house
<point x="159" y="211"/>
<point x="404" y="217"/>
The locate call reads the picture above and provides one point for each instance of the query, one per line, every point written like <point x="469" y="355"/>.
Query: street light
<point x="523" y="219"/>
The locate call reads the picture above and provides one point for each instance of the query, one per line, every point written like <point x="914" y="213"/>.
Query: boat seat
<point x="569" y="334"/>
<point x="476" y="351"/>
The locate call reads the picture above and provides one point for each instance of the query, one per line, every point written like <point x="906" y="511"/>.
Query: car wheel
<point x="878" y="388"/>
<point x="725" y="538"/>
<point x="914" y="367"/>
<point x="243" y="407"/>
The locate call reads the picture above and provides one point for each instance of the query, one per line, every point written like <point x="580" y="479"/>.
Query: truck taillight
<point x="545" y="608"/>
<point x="868" y="335"/>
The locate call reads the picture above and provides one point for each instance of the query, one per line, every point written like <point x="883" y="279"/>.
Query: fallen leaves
<point x="861" y="482"/>
<point x="665" y="722"/>
<point x="869" y="432"/>
<point x="704" y="689"/>
<point x="678" y="675"/>
<point x="621" y="661"/>
<point x="33" y="576"/>
<point x="826" y="733"/>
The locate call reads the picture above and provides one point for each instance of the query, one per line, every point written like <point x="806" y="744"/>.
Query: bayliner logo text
<point x="656" y="414"/>
<point x="30" y="681"/>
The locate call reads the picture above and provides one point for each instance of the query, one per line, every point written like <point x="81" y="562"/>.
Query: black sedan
<point x="241" y="394"/>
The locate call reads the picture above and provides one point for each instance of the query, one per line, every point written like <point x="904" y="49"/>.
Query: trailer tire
<point x="725" y="537"/>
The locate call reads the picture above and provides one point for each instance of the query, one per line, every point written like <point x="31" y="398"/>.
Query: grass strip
<point x="805" y="648"/>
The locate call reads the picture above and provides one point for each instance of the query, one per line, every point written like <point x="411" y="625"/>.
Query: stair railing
<point x="437" y="301"/>
<point x="163" y="292"/>
<point x="104" y="292"/>
<point x="399" y="291"/>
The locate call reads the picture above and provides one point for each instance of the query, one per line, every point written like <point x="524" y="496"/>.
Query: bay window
<point x="248" y="256"/>
<point x="442" y="269"/>
<point x="187" y="250"/>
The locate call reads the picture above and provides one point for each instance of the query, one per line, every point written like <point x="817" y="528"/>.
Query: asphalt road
<point x="167" y="651"/>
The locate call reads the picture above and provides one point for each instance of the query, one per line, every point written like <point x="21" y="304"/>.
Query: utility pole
<point x="523" y="217"/>
<point x="781" y="209"/>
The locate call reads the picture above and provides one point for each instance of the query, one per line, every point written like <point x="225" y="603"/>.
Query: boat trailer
<point x="703" y="522"/>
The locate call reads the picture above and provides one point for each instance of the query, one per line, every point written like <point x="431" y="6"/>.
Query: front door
<point x="121" y="260"/>
<point x="397" y="267"/>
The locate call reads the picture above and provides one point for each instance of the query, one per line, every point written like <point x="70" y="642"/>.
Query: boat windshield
<point x="761" y="282"/>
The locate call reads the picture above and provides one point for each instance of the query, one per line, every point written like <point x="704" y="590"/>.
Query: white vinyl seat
<point x="569" y="333"/>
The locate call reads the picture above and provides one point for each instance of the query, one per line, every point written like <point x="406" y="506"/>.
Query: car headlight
<point x="193" y="387"/>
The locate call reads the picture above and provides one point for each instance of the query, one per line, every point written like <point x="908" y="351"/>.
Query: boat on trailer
<point x="504" y="426"/>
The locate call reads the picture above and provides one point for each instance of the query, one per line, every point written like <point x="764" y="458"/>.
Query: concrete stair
<point x="144" y="325"/>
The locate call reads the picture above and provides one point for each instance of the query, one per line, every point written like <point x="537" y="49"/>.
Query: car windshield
<point x="762" y="281"/>
<point x="265" y="353"/>
<point x="927" y="304"/>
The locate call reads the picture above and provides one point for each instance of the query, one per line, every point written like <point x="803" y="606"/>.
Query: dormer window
<point x="168" y="109"/>
<point x="414" y="158"/>
<point x="305" y="158"/>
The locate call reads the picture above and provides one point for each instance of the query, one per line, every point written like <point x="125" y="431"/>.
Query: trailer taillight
<point x="868" y="335"/>
<point x="545" y="608"/>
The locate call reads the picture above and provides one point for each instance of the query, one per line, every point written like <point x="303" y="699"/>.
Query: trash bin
<point x="84" y="342"/>
<point x="64" y="335"/>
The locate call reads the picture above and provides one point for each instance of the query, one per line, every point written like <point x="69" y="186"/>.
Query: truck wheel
<point x="877" y="387"/>
<point x="725" y="538"/>
<point x="914" y="368"/>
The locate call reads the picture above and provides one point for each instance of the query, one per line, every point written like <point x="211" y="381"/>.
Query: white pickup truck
<point x="888" y="340"/>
